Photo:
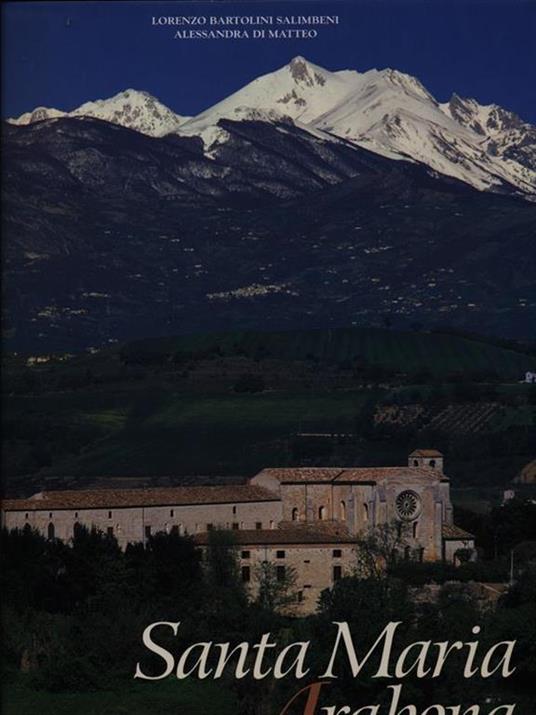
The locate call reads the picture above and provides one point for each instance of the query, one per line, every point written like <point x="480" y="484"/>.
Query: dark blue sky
<point x="62" y="54"/>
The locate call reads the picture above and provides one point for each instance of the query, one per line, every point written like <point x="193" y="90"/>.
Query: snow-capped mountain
<point x="389" y="113"/>
<point x="385" y="111"/>
<point x="505" y="134"/>
<point x="132" y="108"/>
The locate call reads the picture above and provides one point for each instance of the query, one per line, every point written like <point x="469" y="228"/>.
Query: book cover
<point x="269" y="361"/>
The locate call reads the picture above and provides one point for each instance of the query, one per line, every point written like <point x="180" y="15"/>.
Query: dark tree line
<point x="73" y="616"/>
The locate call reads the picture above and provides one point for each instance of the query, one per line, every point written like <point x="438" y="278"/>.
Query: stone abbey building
<point x="304" y="518"/>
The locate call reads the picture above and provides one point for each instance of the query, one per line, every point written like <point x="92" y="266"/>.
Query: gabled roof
<point x="426" y="453"/>
<point x="376" y="474"/>
<point x="164" y="496"/>
<point x="289" y="532"/>
<point x="302" y="474"/>
<point x="451" y="531"/>
<point x="330" y="475"/>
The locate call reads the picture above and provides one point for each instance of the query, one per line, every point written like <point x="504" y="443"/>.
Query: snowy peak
<point x="386" y="111"/>
<point x="304" y="72"/>
<point x="406" y="83"/>
<point x="136" y="110"/>
<point x="299" y="90"/>
<point x="484" y="119"/>
<point x="131" y="108"/>
<point x="39" y="114"/>
<point x="390" y="113"/>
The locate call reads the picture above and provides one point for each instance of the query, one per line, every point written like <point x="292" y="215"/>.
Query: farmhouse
<point x="307" y="519"/>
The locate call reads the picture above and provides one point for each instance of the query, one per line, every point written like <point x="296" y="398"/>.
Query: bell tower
<point x="427" y="459"/>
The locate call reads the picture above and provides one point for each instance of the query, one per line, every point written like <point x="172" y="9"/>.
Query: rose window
<point x="408" y="505"/>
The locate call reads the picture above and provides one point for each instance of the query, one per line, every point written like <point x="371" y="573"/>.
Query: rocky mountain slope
<point x="392" y="114"/>
<point x="386" y="111"/>
<point x="111" y="234"/>
<point x="131" y="108"/>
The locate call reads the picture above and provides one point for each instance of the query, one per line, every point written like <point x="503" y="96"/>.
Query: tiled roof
<point x="328" y="532"/>
<point x="451" y="531"/>
<point x="164" y="496"/>
<point x="426" y="453"/>
<point x="374" y="474"/>
<point x="292" y="475"/>
<point x="302" y="474"/>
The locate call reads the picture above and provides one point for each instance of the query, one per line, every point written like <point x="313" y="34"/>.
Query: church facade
<point x="301" y="520"/>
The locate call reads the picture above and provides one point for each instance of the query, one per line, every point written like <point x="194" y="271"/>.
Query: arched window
<point x="295" y="514"/>
<point x="415" y="462"/>
<point x="432" y="463"/>
<point x="27" y="529"/>
<point x="51" y="531"/>
<point x="365" y="511"/>
<point x="415" y="527"/>
<point x="322" y="513"/>
<point x="77" y="529"/>
<point x="343" y="511"/>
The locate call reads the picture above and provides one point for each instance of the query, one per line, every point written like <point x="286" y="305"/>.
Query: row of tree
<point x="73" y="615"/>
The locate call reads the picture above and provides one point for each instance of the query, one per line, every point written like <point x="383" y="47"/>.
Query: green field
<point x="156" y="431"/>
<point x="167" y="698"/>
<point x="390" y="349"/>
<point x="170" y="407"/>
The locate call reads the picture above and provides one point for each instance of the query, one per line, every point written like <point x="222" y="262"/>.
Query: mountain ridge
<point x="386" y="111"/>
<point x="111" y="235"/>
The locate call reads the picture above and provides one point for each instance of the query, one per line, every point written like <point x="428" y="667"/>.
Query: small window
<point x="337" y="573"/>
<point x="258" y="525"/>
<point x="109" y="515"/>
<point x="272" y="525"/>
<point x="51" y="531"/>
<point x="147" y="531"/>
<point x="245" y="554"/>
<point x="295" y="514"/>
<point x="343" y="511"/>
<point x="415" y="462"/>
<point x="415" y="529"/>
<point x="365" y="511"/>
<point x="50" y="515"/>
<point x="300" y="596"/>
<point x="77" y="529"/>
<point x="26" y="515"/>
<point x="246" y="574"/>
<point x="322" y="513"/>
<point x="280" y="554"/>
<point x="234" y="510"/>
<point x="110" y="531"/>
<point x="432" y="463"/>
<point x="236" y="526"/>
<point x="307" y="585"/>
<point x="307" y="561"/>
<point x="172" y="512"/>
<point x="337" y="553"/>
<point x="76" y="515"/>
<point x="280" y="573"/>
<point x="210" y="527"/>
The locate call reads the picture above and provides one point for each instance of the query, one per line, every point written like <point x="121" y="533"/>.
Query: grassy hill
<point x="397" y="351"/>
<point x="174" y="407"/>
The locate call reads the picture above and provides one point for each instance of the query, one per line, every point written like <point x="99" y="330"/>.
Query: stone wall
<point x="317" y="567"/>
<point x="134" y="524"/>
